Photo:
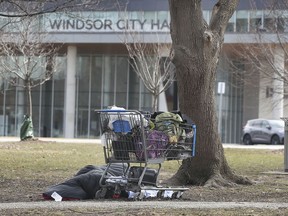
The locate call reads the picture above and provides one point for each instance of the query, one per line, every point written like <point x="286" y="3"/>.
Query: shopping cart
<point x="130" y="138"/>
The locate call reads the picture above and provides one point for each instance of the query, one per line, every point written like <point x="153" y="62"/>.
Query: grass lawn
<point x="28" y="168"/>
<point x="52" y="159"/>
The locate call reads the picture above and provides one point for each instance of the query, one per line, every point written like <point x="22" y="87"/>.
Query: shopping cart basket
<point x="130" y="137"/>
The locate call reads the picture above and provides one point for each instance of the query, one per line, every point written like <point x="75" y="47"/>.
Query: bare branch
<point x="16" y="8"/>
<point x="25" y="55"/>
<point x="155" y="70"/>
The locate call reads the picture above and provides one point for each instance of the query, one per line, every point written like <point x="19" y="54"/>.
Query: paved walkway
<point x="141" y="204"/>
<point x="256" y="146"/>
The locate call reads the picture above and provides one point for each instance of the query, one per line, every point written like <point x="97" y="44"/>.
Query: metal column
<point x="285" y="119"/>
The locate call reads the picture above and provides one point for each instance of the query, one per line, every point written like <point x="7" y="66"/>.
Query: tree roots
<point x="218" y="180"/>
<point x="215" y="181"/>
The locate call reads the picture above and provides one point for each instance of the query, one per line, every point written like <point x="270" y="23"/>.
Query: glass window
<point x="276" y="123"/>
<point x="265" y="124"/>
<point x="146" y="99"/>
<point x="8" y="116"/>
<point x="136" y="15"/>
<point x="96" y="80"/>
<point x="58" y="96"/>
<point x="3" y="111"/>
<point x="258" y="124"/>
<point x="12" y="24"/>
<point x="37" y="66"/>
<point x="269" y="22"/>
<point x="3" y="23"/>
<point x="242" y="21"/>
<point x="134" y="88"/>
<point x="83" y="80"/>
<point x="83" y="14"/>
<point x="82" y="95"/>
<point x="100" y="15"/>
<point x="169" y="18"/>
<point x="150" y="15"/>
<point x="121" y="84"/>
<point x="281" y="26"/>
<point x="52" y="101"/>
<point x="112" y="15"/>
<point x="255" y="21"/>
<point x="206" y="16"/>
<point x="162" y="15"/>
<point x="19" y="109"/>
<point x="43" y="100"/>
<point x="281" y="20"/>
<point x="36" y="96"/>
<point x="230" y="108"/>
<point x="152" y="23"/>
<point x="96" y="90"/>
<point x="231" y="24"/>
<point x="109" y="81"/>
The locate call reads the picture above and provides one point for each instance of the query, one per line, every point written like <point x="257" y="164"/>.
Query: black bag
<point x="150" y="176"/>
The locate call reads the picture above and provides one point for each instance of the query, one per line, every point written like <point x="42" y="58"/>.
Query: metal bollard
<point x="285" y="119"/>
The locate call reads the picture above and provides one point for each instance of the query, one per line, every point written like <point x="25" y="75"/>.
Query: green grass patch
<point x="31" y="160"/>
<point x="46" y="159"/>
<point x="255" y="161"/>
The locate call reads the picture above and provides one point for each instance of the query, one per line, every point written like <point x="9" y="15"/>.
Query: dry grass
<point x="46" y="159"/>
<point x="255" y="161"/>
<point x="28" y="168"/>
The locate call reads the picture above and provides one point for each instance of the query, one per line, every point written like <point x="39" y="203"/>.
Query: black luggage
<point x="150" y="176"/>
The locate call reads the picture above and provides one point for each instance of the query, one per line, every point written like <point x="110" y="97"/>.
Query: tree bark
<point x="195" y="51"/>
<point x="28" y="93"/>
<point x="30" y="100"/>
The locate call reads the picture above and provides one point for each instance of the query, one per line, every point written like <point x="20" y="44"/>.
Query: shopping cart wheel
<point x="136" y="195"/>
<point x="161" y="194"/>
<point x="178" y="194"/>
<point x="100" y="194"/>
<point x="140" y="196"/>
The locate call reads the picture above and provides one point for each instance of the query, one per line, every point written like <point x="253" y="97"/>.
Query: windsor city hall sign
<point x="106" y="25"/>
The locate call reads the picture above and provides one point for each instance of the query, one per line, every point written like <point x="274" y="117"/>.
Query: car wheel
<point x="275" y="140"/>
<point x="247" y="140"/>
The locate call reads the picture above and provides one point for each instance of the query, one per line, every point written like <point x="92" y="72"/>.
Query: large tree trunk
<point x="196" y="47"/>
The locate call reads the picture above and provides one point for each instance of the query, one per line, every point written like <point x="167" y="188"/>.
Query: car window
<point x="277" y="123"/>
<point x="257" y="123"/>
<point x="265" y="124"/>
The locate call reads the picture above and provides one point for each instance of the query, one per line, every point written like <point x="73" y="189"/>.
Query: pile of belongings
<point x="85" y="183"/>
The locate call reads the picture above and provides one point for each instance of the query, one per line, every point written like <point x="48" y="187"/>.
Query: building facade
<point x="93" y="70"/>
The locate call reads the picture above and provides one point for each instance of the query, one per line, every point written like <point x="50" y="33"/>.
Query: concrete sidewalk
<point x="256" y="146"/>
<point x="140" y="205"/>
